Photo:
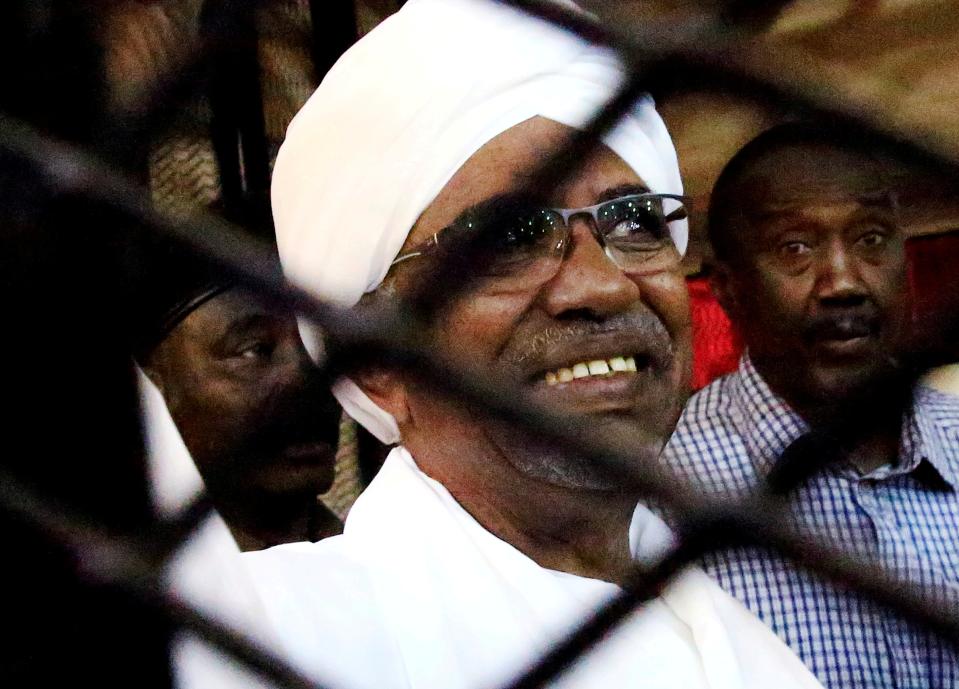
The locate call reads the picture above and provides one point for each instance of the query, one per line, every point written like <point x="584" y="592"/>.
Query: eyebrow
<point x="620" y="190"/>
<point x="781" y="218"/>
<point x="498" y="201"/>
<point x="494" y="204"/>
<point x="244" y="324"/>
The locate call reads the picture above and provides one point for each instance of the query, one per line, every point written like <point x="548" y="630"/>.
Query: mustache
<point x="658" y="341"/>
<point x="844" y="324"/>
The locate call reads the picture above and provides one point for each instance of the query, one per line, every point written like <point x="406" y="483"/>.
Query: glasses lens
<point x="517" y="237"/>
<point x="636" y="231"/>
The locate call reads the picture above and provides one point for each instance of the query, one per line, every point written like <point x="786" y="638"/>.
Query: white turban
<point x="399" y="114"/>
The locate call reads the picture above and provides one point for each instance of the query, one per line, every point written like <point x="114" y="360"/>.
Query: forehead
<point x="212" y="318"/>
<point x="813" y="175"/>
<point x="503" y="165"/>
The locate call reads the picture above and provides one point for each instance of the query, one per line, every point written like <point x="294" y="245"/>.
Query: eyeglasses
<point x="519" y="241"/>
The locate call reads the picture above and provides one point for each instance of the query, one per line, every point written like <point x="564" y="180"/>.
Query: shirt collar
<point x="768" y="425"/>
<point x="931" y="433"/>
<point x="764" y="420"/>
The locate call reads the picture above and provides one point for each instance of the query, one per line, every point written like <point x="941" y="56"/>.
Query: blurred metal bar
<point x="709" y="51"/>
<point x="642" y="587"/>
<point x="131" y="567"/>
<point x="71" y="426"/>
<point x="334" y="30"/>
<point x="238" y="129"/>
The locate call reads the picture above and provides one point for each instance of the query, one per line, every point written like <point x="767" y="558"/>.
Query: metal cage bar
<point x="392" y="334"/>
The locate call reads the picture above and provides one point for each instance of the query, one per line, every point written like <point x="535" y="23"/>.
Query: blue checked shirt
<point x="906" y="518"/>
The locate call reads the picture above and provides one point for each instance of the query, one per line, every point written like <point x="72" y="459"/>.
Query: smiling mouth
<point x="597" y="368"/>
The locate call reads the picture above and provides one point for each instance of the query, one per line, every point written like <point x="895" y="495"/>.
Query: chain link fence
<point x="98" y="549"/>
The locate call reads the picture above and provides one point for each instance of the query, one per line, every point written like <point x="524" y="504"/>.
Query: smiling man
<point x="478" y="545"/>
<point x="812" y="270"/>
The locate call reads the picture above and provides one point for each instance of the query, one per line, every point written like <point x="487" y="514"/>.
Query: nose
<point x="588" y="282"/>
<point x="838" y="279"/>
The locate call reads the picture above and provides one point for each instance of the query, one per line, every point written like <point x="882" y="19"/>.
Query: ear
<point x="387" y="390"/>
<point x="722" y="281"/>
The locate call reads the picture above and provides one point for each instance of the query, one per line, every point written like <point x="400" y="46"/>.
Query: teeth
<point x="597" y="367"/>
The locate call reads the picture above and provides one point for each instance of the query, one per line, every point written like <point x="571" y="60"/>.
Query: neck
<point x="877" y="450"/>
<point x="594" y="545"/>
<point x="868" y="425"/>
<point x="578" y="531"/>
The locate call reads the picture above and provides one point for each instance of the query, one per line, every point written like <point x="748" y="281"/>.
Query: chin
<point x="556" y="465"/>
<point x="832" y="385"/>
<point x="294" y="482"/>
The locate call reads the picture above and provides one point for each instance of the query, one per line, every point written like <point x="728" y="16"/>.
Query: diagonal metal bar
<point x="703" y="49"/>
<point x="173" y="531"/>
<point x="642" y="587"/>
<point x="110" y="559"/>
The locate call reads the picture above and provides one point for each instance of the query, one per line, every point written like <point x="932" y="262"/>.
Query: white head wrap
<point x="401" y="112"/>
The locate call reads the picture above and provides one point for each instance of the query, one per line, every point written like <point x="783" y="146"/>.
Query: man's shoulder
<point x="939" y="403"/>
<point x="709" y="410"/>
<point x="937" y="412"/>
<point x="321" y="579"/>
<point x="320" y="601"/>
<point x="334" y="561"/>
<point x="706" y="448"/>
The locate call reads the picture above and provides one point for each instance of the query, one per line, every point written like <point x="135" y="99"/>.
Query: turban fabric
<point x="402" y="111"/>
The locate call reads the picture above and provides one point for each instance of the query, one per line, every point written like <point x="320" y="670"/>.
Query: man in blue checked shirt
<point x="810" y="266"/>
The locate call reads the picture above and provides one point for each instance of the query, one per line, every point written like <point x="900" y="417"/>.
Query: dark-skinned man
<point x="255" y="415"/>
<point x="478" y="545"/>
<point x="811" y="268"/>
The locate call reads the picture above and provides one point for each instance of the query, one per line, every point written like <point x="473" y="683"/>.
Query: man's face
<point x="590" y="311"/>
<point x="819" y="288"/>
<point x="247" y="400"/>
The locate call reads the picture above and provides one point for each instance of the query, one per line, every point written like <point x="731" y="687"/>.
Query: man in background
<point x="252" y="408"/>
<point x="811" y="269"/>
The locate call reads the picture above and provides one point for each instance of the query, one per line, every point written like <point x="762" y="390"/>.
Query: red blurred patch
<point x="716" y="346"/>
<point x="934" y="283"/>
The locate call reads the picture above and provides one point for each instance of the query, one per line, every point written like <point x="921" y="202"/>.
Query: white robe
<point x="416" y="594"/>
<point x="206" y="571"/>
